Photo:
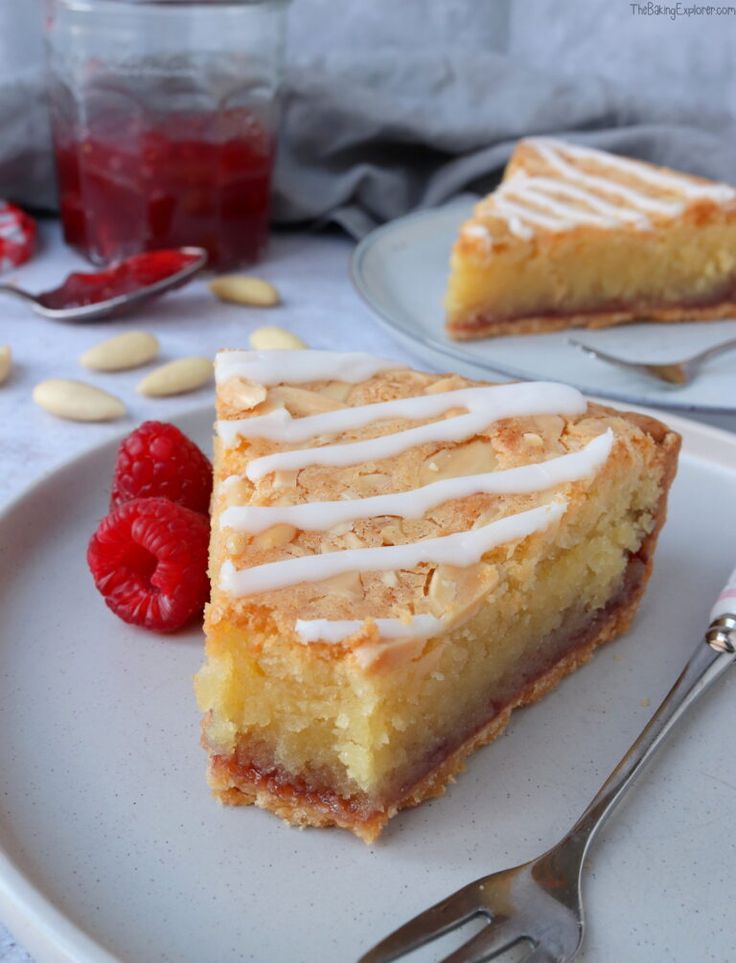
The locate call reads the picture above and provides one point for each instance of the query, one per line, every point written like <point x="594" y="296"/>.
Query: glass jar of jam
<point x="164" y="119"/>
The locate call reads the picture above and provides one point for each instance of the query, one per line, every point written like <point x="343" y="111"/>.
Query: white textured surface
<point x="320" y="306"/>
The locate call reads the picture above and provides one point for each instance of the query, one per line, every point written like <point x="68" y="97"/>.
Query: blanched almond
<point x="270" y="337"/>
<point x="449" y="383"/>
<point x="77" y="400"/>
<point x="176" y="377"/>
<point x="245" y="289"/>
<point x="124" y="351"/>
<point x="6" y="362"/>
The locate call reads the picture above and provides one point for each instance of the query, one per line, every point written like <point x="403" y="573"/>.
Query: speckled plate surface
<point x="401" y="271"/>
<point x="112" y="849"/>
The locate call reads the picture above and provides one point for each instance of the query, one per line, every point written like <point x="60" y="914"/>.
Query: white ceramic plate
<point x="401" y="270"/>
<point x="112" y="849"/>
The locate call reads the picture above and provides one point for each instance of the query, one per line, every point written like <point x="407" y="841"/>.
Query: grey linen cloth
<point x="395" y="106"/>
<point x="366" y="141"/>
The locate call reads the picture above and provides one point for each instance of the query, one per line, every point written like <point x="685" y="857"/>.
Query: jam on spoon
<point x="139" y="271"/>
<point x="89" y="297"/>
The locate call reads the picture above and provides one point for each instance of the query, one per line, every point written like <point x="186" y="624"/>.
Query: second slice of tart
<point x="399" y="559"/>
<point x="578" y="237"/>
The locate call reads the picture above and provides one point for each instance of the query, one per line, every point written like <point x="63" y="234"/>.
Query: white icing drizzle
<point x="612" y="213"/>
<point x="516" y="214"/>
<point x="336" y="630"/>
<point x="519" y="198"/>
<point x="485" y="405"/>
<point x="281" y="365"/>
<point x="568" y="214"/>
<point x="460" y="549"/>
<point x="321" y="516"/>
<point x="552" y="153"/>
<point x="665" y="180"/>
<point x="477" y="230"/>
<point x="279" y="425"/>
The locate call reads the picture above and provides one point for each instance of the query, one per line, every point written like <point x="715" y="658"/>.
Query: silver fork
<point x="540" y="902"/>
<point x="673" y="372"/>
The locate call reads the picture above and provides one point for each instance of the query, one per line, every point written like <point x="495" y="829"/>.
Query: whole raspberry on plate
<point x="148" y="558"/>
<point x="157" y="460"/>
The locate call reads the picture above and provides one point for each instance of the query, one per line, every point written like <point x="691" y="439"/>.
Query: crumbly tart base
<point x="480" y="326"/>
<point x="237" y="784"/>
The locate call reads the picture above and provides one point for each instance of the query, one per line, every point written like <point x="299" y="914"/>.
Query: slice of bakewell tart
<point x="398" y="560"/>
<point x="577" y="237"/>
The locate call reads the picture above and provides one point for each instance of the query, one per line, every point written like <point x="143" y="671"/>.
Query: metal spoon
<point x="673" y="372"/>
<point x="114" y="306"/>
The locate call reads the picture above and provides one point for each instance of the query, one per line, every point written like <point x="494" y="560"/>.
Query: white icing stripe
<point x="279" y="366"/>
<point x="604" y="184"/>
<point x="665" y="180"/>
<point x="485" y="406"/>
<point x="568" y="214"/>
<point x="460" y="549"/>
<point x="515" y="213"/>
<point x="321" y="516"/>
<point x="615" y="213"/>
<point x="478" y="230"/>
<point x="335" y="630"/>
<point x="279" y="425"/>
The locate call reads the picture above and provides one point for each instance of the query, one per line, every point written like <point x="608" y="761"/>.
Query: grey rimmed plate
<point x="401" y="271"/>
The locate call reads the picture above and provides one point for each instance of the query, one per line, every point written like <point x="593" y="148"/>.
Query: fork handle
<point x="705" y="665"/>
<point x="717" y="349"/>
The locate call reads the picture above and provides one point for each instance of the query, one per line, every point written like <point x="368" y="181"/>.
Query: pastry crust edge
<point x="478" y="327"/>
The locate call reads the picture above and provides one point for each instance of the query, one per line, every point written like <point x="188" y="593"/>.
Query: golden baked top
<point x="467" y="454"/>
<point x="551" y="186"/>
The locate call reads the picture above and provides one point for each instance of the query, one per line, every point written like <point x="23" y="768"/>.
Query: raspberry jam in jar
<point x="164" y="117"/>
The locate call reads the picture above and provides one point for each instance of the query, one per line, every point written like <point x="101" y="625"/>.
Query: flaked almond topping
<point x="533" y="439"/>
<point x="301" y="402"/>
<point x="275" y="537"/>
<point x="236" y="544"/>
<point x="337" y="390"/>
<point x="241" y="395"/>
<point x="471" y="459"/>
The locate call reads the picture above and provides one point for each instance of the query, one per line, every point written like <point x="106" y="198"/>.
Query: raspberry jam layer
<point x="129" y="183"/>
<point x="719" y="303"/>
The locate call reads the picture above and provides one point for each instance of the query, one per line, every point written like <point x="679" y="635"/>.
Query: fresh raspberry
<point x="148" y="558"/>
<point x="158" y="460"/>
